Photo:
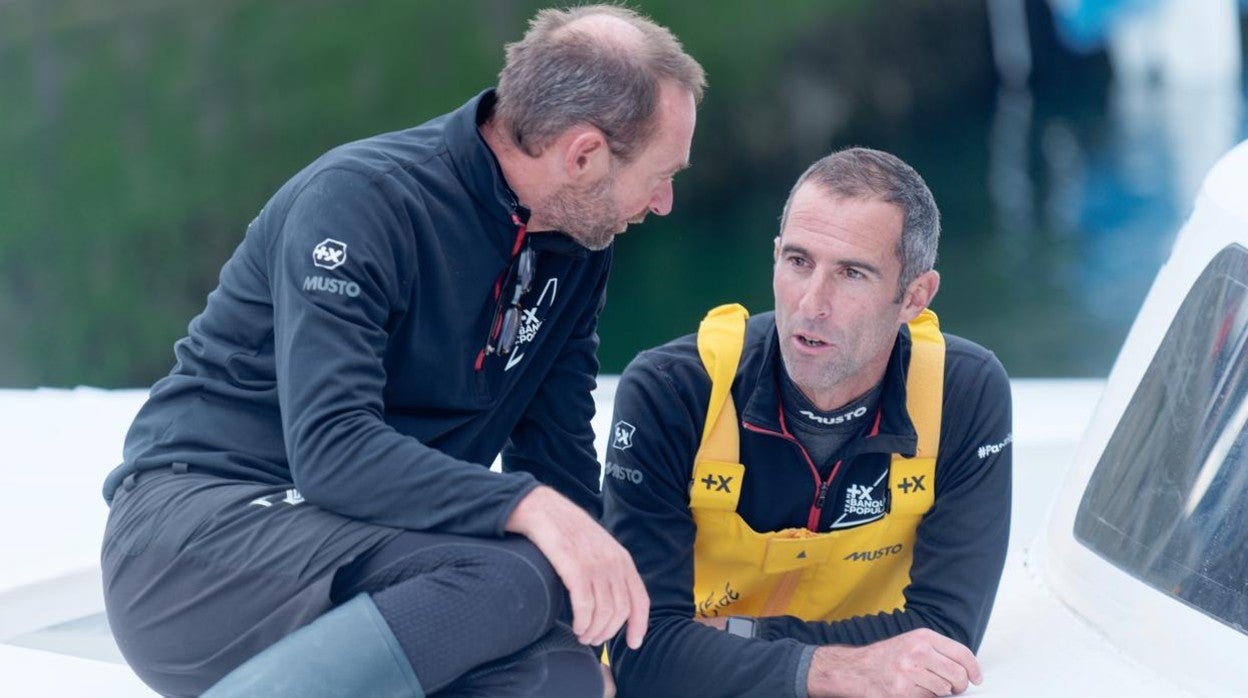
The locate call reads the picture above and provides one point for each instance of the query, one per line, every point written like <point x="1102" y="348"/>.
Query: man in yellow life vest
<point x="818" y="499"/>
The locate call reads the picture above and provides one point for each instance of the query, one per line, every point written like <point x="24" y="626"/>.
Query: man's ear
<point x="775" y="250"/>
<point x="919" y="295"/>
<point x="586" y="157"/>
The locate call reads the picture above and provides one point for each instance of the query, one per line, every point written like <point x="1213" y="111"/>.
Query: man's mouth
<point x="810" y="341"/>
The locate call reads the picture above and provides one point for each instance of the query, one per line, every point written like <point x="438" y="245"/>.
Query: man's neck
<point x="846" y="391"/>
<point x="521" y="171"/>
<point x="797" y="399"/>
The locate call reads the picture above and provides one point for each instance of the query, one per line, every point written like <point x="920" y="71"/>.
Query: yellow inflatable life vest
<point x="814" y="576"/>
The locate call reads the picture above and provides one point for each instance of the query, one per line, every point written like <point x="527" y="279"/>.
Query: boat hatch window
<point x="1168" y="501"/>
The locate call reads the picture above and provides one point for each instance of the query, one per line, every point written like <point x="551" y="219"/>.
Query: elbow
<point x="318" y="455"/>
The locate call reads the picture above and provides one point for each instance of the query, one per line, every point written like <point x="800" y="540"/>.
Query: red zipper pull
<point x="521" y="231"/>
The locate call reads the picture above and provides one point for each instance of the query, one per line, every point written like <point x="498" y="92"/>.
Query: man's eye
<point x="854" y="273"/>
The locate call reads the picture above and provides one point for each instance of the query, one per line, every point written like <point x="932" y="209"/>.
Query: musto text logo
<point x="873" y="555"/>
<point x="326" y="285"/>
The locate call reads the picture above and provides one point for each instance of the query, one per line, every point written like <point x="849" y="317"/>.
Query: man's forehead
<point x="818" y="218"/>
<point x="677" y="111"/>
<point x="816" y="200"/>
<point x="817" y="193"/>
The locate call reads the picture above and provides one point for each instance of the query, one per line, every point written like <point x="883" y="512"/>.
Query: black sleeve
<point x="962" y="542"/>
<point x="554" y="440"/>
<point x="646" y="487"/>
<point x="329" y="349"/>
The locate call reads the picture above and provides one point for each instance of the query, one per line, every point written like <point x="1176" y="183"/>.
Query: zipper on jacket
<point x="823" y="496"/>
<point x="521" y="232"/>
<point x="821" y="485"/>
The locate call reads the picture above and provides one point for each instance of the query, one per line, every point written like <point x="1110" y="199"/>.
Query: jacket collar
<point x="475" y="163"/>
<point x="896" y="433"/>
<point x="479" y="169"/>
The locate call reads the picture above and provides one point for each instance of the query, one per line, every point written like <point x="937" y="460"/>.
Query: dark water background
<point x="138" y="138"/>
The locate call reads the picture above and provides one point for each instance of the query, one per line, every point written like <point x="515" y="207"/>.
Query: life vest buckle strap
<point x="785" y="554"/>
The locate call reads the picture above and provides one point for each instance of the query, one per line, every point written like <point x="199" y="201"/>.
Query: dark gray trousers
<point x="201" y="573"/>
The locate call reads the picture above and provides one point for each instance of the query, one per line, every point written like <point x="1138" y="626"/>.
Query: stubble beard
<point x="815" y="377"/>
<point x="848" y="362"/>
<point x="589" y="216"/>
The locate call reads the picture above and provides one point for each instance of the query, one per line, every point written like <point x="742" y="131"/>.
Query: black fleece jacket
<point x="338" y="352"/>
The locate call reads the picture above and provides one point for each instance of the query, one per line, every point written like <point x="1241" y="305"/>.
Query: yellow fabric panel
<point x="925" y="385"/>
<point x="721" y="337"/>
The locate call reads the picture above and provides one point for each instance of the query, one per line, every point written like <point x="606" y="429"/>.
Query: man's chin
<point x="594" y="242"/>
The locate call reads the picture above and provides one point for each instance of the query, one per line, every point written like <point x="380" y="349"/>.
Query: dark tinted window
<point x="1168" y="501"/>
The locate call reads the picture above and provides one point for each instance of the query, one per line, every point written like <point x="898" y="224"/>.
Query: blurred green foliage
<point x="138" y="138"/>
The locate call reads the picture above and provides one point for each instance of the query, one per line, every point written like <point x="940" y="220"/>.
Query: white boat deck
<point x="60" y="444"/>
<point x="53" y="641"/>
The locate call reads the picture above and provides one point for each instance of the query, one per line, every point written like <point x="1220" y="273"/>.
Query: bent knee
<point x="519" y="571"/>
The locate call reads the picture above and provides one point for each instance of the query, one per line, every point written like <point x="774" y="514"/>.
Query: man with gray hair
<point x="818" y="498"/>
<point x="308" y="494"/>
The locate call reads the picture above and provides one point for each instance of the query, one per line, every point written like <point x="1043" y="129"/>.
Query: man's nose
<point x="816" y="298"/>
<point x="661" y="202"/>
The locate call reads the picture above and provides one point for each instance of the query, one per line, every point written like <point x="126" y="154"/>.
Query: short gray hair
<point x="863" y="173"/>
<point x="560" y="75"/>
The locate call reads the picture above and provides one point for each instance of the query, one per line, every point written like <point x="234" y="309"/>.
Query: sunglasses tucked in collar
<point x="505" y="324"/>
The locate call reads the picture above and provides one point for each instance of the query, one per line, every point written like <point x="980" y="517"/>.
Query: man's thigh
<point x="201" y="573"/>
<point x="411" y="554"/>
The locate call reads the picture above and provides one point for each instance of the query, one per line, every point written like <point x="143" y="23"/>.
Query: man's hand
<point x="918" y="664"/>
<point x="598" y="572"/>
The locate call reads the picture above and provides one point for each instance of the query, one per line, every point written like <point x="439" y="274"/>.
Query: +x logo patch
<point x="717" y="483"/>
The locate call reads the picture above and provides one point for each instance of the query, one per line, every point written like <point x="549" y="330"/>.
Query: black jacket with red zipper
<point x="961" y="542"/>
